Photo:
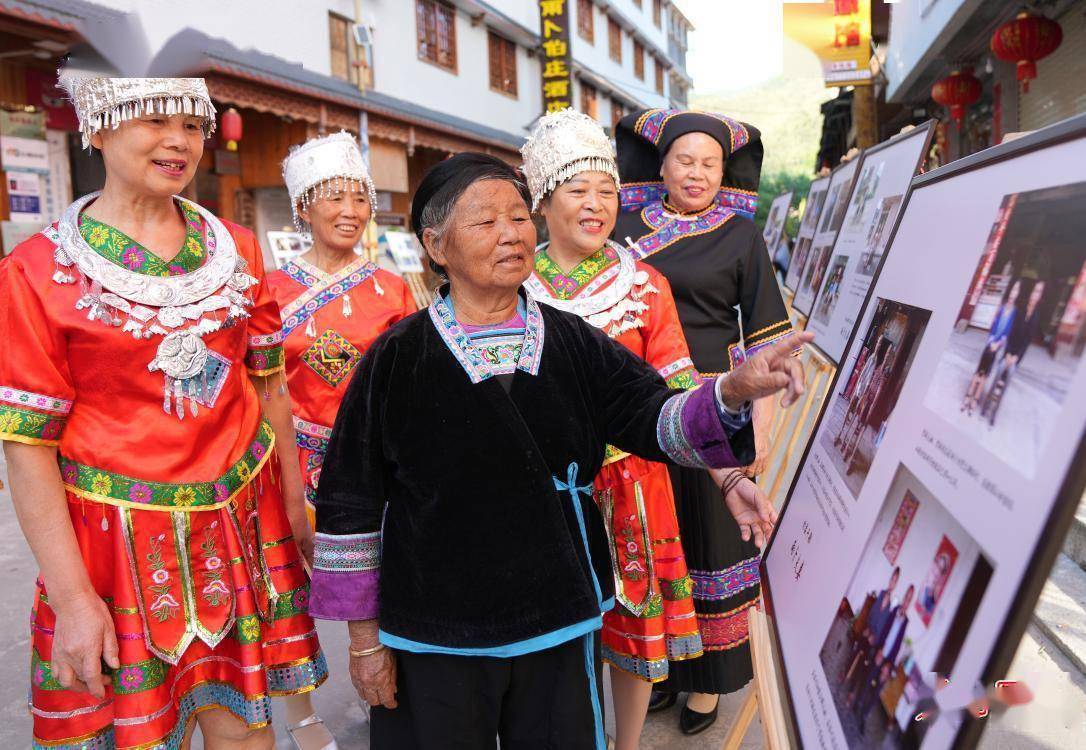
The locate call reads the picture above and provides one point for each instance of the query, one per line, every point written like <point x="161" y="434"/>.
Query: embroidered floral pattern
<point x="215" y="591"/>
<point x="144" y="675"/>
<point x="290" y="603"/>
<point x="118" y="247"/>
<point x="16" y="422"/>
<point x="670" y="435"/>
<point x="652" y="122"/>
<point x="248" y="629"/>
<point x="636" y="196"/>
<point x="37" y="401"/>
<point x="81" y="478"/>
<point x="565" y="286"/>
<point x="714" y="585"/>
<point x="41" y="673"/>
<point x="679" y="588"/>
<point x="163" y="606"/>
<point x="332" y="357"/>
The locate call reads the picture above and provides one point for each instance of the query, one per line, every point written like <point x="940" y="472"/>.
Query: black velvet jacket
<point x="479" y="546"/>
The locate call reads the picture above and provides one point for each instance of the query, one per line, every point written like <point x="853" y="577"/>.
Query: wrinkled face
<point x="490" y="240"/>
<point x="152" y="155"/>
<point x="581" y="213"/>
<point x="338" y="220"/>
<point x="692" y="170"/>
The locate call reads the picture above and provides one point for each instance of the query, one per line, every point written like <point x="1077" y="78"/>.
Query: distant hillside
<point x="786" y="111"/>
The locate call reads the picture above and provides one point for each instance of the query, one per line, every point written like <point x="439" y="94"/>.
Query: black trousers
<point x="546" y="700"/>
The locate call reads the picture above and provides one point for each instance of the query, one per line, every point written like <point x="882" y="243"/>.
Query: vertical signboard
<point x="557" y="57"/>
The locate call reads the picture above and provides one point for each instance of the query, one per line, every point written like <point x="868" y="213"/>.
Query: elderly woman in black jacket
<point x="456" y="526"/>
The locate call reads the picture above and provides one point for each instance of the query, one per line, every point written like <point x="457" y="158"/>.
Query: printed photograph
<point x="815" y="203"/>
<point x="868" y="391"/>
<point x="797" y="267"/>
<point x="816" y="266"/>
<point x="1020" y="332"/>
<point x="831" y="290"/>
<point x="837" y="194"/>
<point x="878" y="234"/>
<point x="866" y="189"/>
<point x="773" y="223"/>
<point x="903" y="618"/>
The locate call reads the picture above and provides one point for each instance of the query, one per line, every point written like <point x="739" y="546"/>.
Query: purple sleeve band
<point x="703" y="429"/>
<point x="350" y="595"/>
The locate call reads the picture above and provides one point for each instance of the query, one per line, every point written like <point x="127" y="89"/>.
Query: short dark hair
<point x="442" y="186"/>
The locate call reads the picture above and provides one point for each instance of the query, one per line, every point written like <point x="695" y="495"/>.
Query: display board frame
<point x="926" y="131"/>
<point x="813" y="190"/>
<point x="785" y="200"/>
<point x="825" y="236"/>
<point x="1070" y="489"/>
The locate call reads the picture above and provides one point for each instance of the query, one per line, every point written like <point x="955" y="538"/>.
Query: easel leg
<point x="742" y="720"/>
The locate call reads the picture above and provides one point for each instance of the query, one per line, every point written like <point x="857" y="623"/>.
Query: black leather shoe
<point x="662" y="701"/>
<point x="693" y="722"/>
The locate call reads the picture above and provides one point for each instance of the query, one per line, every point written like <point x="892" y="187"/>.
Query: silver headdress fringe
<point x="563" y="145"/>
<point x="102" y="102"/>
<point x="322" y="167"/>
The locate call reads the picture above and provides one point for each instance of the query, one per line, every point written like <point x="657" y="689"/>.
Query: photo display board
<point x="854" y="257"/>
<point x="829" y="222"/>
<point x="947" y="461"/>
<point x="774" y="223"/>
<point x="816" y="199"/>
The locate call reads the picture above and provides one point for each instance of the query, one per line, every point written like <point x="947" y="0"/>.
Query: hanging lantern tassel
<point x="958" y="91"/>
<point x="230" y="128"/>
<point x="1025" y="40"/>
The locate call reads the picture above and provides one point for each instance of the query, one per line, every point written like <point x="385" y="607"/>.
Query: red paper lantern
<point x="1024" y="41"/>
<point x="957" y="91"/>
<point x="230" y="128"/>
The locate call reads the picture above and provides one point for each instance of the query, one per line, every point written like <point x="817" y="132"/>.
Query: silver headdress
<point x="103" y="102"/>
<point x="563" y="145"/>
<point x="323" y="166"/>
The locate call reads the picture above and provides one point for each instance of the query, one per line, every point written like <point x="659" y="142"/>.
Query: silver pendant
<point x="181" y="356"/>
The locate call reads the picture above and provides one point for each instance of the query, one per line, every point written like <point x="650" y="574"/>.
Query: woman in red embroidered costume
<point x="142" y="404"/>
<point x="573" y="178"/>
<point x="333" y="302"/>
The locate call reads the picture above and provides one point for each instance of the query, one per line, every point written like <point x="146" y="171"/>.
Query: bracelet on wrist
<point x="359" y="653"/>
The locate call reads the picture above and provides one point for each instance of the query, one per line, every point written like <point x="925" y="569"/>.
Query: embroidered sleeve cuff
<point x="346" y="576"/>
<point x="680" y="374"/>
<point x="32" y="418"/>
<point x="690" y="431"/>
<point x="733" y="421"/>
<point x="265" y="361"/>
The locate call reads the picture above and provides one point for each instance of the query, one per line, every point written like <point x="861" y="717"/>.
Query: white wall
<point x="918" y="30"/>
<point x="930" y="524"/>
<point x="597" y="57"/>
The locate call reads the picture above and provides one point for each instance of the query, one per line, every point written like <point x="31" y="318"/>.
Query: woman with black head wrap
<point x="690" y="182"/>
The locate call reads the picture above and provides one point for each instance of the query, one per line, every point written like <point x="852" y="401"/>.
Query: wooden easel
<point x="764" y="698"/>
<point x="791" y="428"/>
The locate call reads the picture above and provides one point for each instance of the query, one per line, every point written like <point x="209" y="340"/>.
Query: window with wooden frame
<point x="503" y="64"/>
<point x="614" y="40"/>
<point x="657" y="12"/>
<point x="342" y="50"/>
<point x="639" y="59"/>
<point x="617" y="113"/>
<point x="436" y="28"/>
<point x="586" y="20"/>
<point x="589" y="102"/>
<point x="659" y="76"/>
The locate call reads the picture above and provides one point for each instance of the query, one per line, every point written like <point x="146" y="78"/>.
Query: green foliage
<point x="787" y="112"/>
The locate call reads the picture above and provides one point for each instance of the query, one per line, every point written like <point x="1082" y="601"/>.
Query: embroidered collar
<point x="565" y="286"/>
<point x="309" y="275"/>
<point x="118" y="247"/>
<point x="475" y="364"/>
<point x="594" y="296"/>
<point x="669" y="227"/>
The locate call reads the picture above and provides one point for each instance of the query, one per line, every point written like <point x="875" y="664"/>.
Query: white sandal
<point x="308" y="722"/>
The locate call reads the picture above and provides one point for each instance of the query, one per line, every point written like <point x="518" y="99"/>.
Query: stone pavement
<point x="1057" y="719"/>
